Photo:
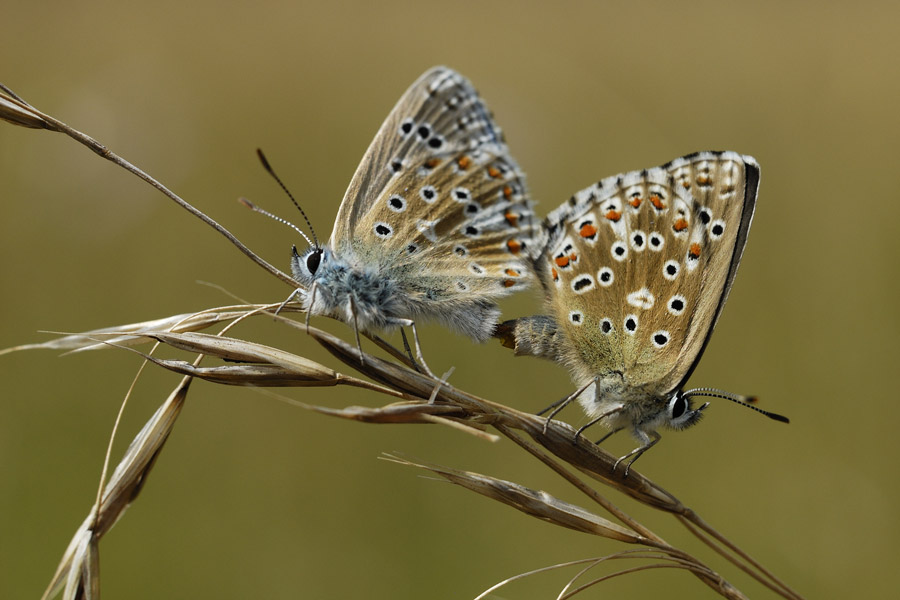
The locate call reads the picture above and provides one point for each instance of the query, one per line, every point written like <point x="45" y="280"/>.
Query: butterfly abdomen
<point x="474" y="317"/>
<point x="531" y="336"/>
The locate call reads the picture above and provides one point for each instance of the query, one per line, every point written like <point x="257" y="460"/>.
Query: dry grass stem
<point x="423" y="400"/>
<point x="532" y="502"/>
<point x="79" y="567"/>
<point x="17" y="111"/>
<point x="87" y="340"/>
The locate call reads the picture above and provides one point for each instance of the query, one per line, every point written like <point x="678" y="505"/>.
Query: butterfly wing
<point x="638" y="266"/>
<point x="438" y="200"/>
<point x="439" y="114"/>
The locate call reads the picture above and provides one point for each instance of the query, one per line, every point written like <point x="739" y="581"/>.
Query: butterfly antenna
<point x="268" y="167"/>
<point x="262" y="211"/>
<point x="738" y="399"/>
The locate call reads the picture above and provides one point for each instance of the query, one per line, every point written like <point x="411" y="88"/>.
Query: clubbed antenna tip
<point x="264" y="161"/>
<point x="747" y="401"/>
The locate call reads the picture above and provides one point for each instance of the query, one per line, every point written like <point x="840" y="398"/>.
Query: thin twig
<point x="34" y="116"/>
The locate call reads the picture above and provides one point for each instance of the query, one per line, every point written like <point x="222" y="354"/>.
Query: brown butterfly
<point x="636" y="270"/>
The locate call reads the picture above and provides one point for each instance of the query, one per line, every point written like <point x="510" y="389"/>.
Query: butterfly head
<point x="680" y="413"/>
<point x="305" y="266"/>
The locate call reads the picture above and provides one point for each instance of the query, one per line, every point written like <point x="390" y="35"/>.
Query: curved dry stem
<point x="750" y="566"/>
<point x="726" y="591"/>
<point x="633" y="554"/>
<point x="428" y="400"/>
<point x="15" y="110"/>
<point x="547" y="569"/>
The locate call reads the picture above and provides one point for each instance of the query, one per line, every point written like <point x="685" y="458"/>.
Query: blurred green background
<point x="255" y="498"/>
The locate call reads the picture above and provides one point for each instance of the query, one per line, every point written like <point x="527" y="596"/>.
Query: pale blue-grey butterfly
<point x="635" y="271"/>
<point x="436" y="223"/>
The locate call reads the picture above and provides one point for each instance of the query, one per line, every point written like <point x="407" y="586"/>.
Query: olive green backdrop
<point x="253" y="498"/>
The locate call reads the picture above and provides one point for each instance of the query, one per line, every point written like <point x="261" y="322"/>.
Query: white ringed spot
<point x="660" y="338"/>
<point x="397" y="203"/>
<point x="631" y="324"/>
<point x="671" y="269"/>
<point x="676" y="305"/>
<point x="606" y="276"/>
<point x="383" y="230"/>
<point x="582" y="283"/>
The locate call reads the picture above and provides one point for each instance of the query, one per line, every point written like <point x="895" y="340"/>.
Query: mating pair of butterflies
<point x="437" y="224"/>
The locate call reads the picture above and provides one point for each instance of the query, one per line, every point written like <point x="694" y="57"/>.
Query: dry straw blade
<point x="79" y="567"/>
<point x="423" y="401"/>
<point x="128" y="334"/>
<point x="532" y="502"/>
<point x="18" y="112"/>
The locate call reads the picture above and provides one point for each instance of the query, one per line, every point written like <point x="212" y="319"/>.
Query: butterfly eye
<point x="313" y="260"/>
<point x="680" y="413"/>
<point x="679" y="405"/>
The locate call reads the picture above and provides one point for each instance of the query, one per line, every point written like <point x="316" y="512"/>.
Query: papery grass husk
<point x="79" y="568"/>
<point x="15" y="110"/>
<point x="419" y="399"/>
<point x="122" y="335"/>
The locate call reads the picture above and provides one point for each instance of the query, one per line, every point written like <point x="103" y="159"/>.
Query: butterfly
<point x="636" y="270"/>
<point x="436" y="223"/>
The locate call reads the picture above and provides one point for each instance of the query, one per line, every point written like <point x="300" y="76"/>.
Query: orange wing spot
<point x="507" y="192"/>
<point x="512" y="272"/>
<point x="686" y="184"/>
<point x="464" y="162"/>
<point x="680" y="225"/>
<point x="694" y="252"/>
<point x="587" y="230"/>
<point x="636" y="201"/>
<point x="512" y="218"/>
<point x="703" y="180"/>
<point x="514" y="246"/>
<point x="554" y="273"/>
<point x="432" y="162"/>
<point x="508" y="283"/>
<point x="561" y="261"/>
<point x="613" y="215"/>
<point x="494" y="172"/>
<point x="656" y="202"/>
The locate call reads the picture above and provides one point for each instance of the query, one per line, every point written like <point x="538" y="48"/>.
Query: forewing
<point x="439" y="114"/>
<point x="638" y="266"/>
<point x="454" y="205"/>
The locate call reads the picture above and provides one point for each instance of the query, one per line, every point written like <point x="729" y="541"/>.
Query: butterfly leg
<point x="288" y="299"/>
<point x="362" y="361"/>
<point x="554" y="405"/>
<point x="419" y="356"/>
<point x="419" y="360"/>
<point x="652" y="438"/>
<point x="606" y="437"/>
<point x="564" y="402"/>
<point x="312" y="301"/>
<point x="408" y="349"/>
<point x="597" y="420"/>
